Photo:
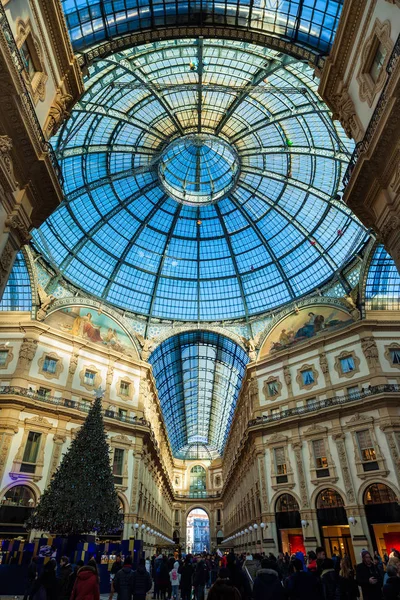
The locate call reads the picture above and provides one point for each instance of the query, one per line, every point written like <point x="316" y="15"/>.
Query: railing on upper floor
<point x="363" y="145"/>
<point x="196" y="495"/>
<point x="81" y="406"/>
<point x="25" y="97"/>
<point x="327" y="403"/>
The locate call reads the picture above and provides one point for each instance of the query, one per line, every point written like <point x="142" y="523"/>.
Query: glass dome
<point x="201" y="181"/>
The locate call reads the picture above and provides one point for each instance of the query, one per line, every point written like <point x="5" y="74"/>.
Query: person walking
<point x="64" y="582"/>
<point x="175" y="580"/>
<point x="266" y="584"/>
<point x="329" y="580"/>
<point x="200" y="579"/>
<point x="123" y="581"/>
<point x="163" y="578"/>
<point x="186" y="572"/>
<point x="141" y="581"/>
<point x="45" y="586"/>
<point x="391" y="589"/>
<point x="86" y="586"/>
<point x="368" y="578"/>
<point x="348" y="586"/>
<point x="301" y="584"/>
<point x="117" y="566"/>
<point x="222" y="588"/>
<point x="31" y="577"/>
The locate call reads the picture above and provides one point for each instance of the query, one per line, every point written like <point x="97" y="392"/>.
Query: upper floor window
<point x="32" y="447"/>
<point x="118" y="465"/>
<point x="394" y="354"/>
<point x="286" y="503"/>
<point x="377" y="62"/>
<point x="366" y="446"/>
<point x="307" y="377"/>
<point x="44" y="392"/>
<point x="125" y="388"/>
<point x="197" y="480"/>
<point x="321" y="461"/>
<point x="347" y="364"/>
<point x="89" y="377"/>
<point x="275" y="412"/>
<point x="280" y="461"/>
<point x="329" y="498"/>
<point x="49" y="365"/>
<point x="353" y="391"/>
<point x="30" y="57"/>
<point x="3" y="357"/>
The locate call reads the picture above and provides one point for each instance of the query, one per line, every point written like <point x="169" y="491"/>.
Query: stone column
<point x="311" y="534"/>
<point x="27" y="352"/>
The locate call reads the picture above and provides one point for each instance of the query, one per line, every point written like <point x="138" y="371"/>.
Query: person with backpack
<point x="175" y="579"/>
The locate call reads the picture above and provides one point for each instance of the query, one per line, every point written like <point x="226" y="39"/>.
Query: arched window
<point x="19" y="495"/>
<point x="286" y="503"/>
<point x="379" y="493"/>
<point x="329" y="499"/>
<point x="198" y="481"/>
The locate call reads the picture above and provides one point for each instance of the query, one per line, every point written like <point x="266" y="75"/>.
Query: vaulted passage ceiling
<point x="198" y="375"/>
<point x="308" y="23"/>
<point x="200" y="183"/>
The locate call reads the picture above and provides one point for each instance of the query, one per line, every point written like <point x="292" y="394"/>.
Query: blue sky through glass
<point x="278" y="234"/>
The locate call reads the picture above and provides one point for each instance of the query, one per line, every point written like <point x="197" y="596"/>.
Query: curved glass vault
<point x="198" y="376"/>
<point x="201" y="181"/>
<point x="309" y="23"/>
<point x="382" y="288"/>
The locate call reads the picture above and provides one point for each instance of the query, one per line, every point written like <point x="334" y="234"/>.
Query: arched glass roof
<point x="198" y="376"/>
<point x="382" y="289"/>
<point x="309" y="23"/>
<point x="151" y="225"/>
<point x="17" y="294"/>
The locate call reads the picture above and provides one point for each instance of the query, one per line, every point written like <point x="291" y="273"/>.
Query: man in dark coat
<point x="31" y="577"/>
<point x="141" y="581"/>
<point x="303" y="585"/>
<point x="391" y="589"/>
<point x="200" y="578"/>
<point x="266" y="584"/>
<point x="64" y="582"/>
<point x="369" y="578"/>
<point x="186" y="572"/>
<point x="123" y="581"/>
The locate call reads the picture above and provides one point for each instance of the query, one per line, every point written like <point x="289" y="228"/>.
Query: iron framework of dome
<point x="273" y="232"/>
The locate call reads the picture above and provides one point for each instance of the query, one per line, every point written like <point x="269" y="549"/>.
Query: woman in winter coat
<point x="86" y="586"/>
<point x="45" y="586"/>
<point x="348" y="586"/>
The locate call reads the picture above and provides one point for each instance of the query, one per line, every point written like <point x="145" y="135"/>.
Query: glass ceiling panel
<point x="200" y="183"/>
<point x="17" y="293"/>
<point x="309" y="23"/>
<point x="198" y="376"/>
<point x="382" y="290"/>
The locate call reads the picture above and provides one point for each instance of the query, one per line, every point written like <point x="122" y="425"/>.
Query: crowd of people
<point x="224" y="577"/>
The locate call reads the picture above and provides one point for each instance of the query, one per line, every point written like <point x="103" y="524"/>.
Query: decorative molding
<point x="26" y="353"/>
<point x="391" y="346"/>
<point x="338" y="365"/>
<point x="339" y="439"/>
<point x="316" y="430"/>
<point x="299" y="378"/>
<point x="96" y="381"/>
<point x="370" y="350"/>
<point x="278" y="387"/>
<point x="59" y="365"/>
<point x="37" y="85"/>
<point x="125" y="397"/>
<point x="10" y="355"/>
<point x="369" y="88"/>
<point x="344" y="111"/>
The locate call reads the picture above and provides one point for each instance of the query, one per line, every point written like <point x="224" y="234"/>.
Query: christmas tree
<point x="81" y="497"/>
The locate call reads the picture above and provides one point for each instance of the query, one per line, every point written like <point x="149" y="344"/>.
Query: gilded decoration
<point x="59" y="367"/>
<point x="9" y="357"/>
<point x="379" y="37"/>
<point x="388" y="355"/>
<point x="34" y="74"/>
<point x="338" y="364"/>
<point x="272" y="388"/>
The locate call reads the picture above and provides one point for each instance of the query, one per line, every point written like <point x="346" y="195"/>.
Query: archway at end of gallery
<point x="197" y="531"/>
